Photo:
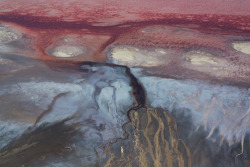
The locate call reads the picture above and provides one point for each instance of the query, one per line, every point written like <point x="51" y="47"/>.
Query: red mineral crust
<point x="77" y="31"/>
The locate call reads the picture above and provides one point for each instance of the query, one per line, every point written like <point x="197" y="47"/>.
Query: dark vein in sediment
<point x="50" y="107"/>
<point x="138" y="94"/>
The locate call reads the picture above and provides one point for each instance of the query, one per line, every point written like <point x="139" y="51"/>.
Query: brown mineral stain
<point x="155" y="136"/>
